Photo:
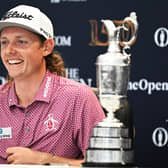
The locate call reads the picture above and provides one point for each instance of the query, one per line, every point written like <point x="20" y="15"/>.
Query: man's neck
<point x="27" y="89"/>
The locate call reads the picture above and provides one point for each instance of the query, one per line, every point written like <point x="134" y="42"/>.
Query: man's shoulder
<point x="70" y="83"/>
<point x="72" y="87"/>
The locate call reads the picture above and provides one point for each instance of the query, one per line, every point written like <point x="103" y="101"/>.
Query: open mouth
<point x="14" y="62"/>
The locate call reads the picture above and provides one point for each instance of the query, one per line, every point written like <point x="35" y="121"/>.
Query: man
<point x="44" y="117"/>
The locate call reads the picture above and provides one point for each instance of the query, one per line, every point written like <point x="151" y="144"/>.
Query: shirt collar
<point x="46" y="88"/>
<point x="43" y="94"/>
<point x="13" y="100"/>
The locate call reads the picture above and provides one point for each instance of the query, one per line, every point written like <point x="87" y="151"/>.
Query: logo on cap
<point x="16" y="14"/>
<point x="46" y="33"/>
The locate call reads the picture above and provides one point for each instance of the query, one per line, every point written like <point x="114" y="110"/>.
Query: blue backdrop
<point x="75" y="21"/>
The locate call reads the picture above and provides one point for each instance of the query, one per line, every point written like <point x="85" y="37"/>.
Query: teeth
<point x="14" y="61"/>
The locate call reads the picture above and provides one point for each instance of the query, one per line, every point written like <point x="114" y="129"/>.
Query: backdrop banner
<point x="80" y="37"/>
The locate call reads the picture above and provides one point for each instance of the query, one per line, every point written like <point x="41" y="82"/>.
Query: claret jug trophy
<point x="110" y="144"/>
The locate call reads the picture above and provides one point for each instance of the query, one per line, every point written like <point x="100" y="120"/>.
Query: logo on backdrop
<point x="99" y="33"/>
<point x="63" y="41"/>
<point x="148" y="86"/>
<point x="73" y="73"/>
<point x="161" y="37"/>
<point x="160" y="137"/>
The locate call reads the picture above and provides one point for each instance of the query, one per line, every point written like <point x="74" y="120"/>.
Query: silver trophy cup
<point x="110" y="144"/>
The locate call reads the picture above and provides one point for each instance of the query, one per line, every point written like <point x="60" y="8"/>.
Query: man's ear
<point x="48" y="47"/>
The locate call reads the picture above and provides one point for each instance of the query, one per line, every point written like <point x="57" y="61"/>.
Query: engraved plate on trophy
<point x="113" y="80"/>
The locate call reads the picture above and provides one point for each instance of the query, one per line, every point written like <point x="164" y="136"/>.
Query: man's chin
<point x="14" y="75"/>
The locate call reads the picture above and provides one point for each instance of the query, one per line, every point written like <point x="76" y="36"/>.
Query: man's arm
<point x="22" y="155"/>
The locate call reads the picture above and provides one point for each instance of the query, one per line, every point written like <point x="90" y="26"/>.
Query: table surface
<point x="37" y="166"/>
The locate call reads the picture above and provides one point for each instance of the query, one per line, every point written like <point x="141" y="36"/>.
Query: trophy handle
<point x="131" y="22"/>
<point x="115" y="32"/>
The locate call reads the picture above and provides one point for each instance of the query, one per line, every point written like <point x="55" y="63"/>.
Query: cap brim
<point x="12" y="24"/>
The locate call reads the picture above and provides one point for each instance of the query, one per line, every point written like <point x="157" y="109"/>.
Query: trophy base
<point x="109" y="147"/>
<point x="109" y="131"/>
<point x="108" y="165"/>
<point x="113" y="156"/>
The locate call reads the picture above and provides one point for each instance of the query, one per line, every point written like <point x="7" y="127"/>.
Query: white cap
<point x="30" y="18"/>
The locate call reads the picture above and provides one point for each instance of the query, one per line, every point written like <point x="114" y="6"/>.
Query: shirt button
<point x="10" y="100"/>
<point x="27" y="114"/>
<point x="28" y="129"/>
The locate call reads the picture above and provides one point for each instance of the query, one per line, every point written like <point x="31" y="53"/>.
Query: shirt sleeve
<point x="89" y="113"/>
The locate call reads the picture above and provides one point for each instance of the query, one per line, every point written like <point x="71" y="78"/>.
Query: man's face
<point x="21" y="52"/>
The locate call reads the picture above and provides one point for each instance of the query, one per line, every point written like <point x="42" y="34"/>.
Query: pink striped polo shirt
<point x="59" y="120"/>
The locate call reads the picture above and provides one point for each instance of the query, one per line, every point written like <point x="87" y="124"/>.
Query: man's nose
<point x="11" y="49"/>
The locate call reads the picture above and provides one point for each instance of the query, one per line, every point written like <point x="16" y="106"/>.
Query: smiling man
<point x="44" y="117"/>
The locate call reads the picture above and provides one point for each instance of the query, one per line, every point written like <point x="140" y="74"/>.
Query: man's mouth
<point x="14" y="62"/>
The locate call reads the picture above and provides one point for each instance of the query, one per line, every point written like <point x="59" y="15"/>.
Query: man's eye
<point x="22" y="42"/>
<point x="3" y="42"/>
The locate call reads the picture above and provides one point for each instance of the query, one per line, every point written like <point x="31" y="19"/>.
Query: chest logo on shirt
<point x="5" y="133"/>
<point x="50" y="123"/>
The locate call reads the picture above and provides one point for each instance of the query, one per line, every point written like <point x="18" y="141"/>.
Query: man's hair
<point x="54" y="61"/>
